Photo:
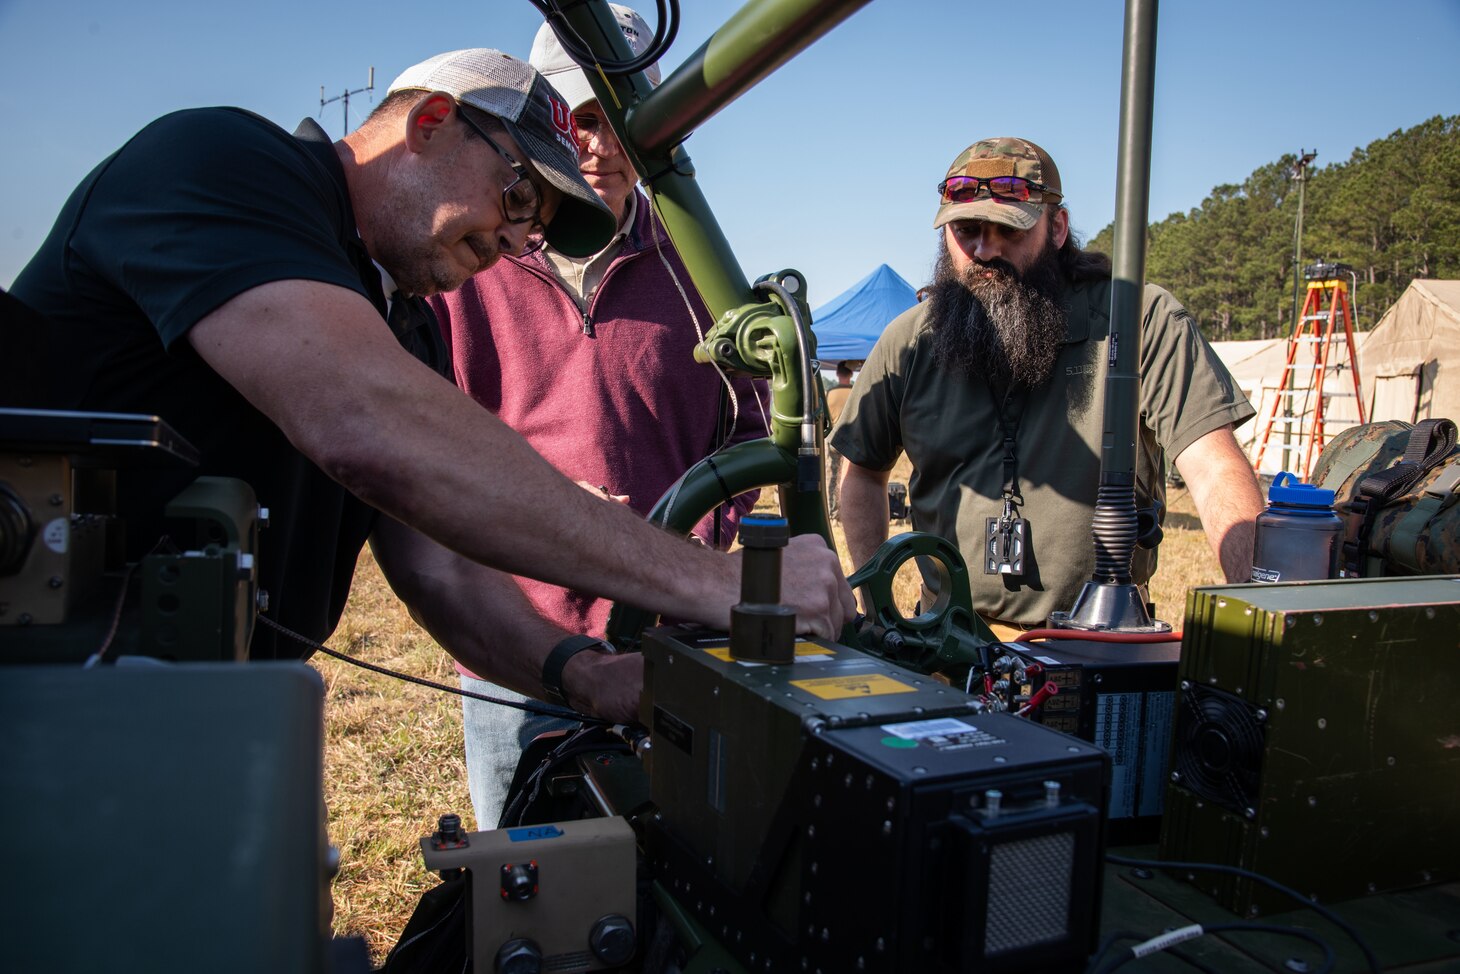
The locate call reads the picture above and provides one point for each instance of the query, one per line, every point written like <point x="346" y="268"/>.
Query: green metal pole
<point x="1132" y="202"/>
<point x="653" y="123"/>
<point x="757" y="39"/>
<point x="1110" y="600"/>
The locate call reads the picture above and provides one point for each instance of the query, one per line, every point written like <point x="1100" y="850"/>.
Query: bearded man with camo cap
<point x="992" y="387"/>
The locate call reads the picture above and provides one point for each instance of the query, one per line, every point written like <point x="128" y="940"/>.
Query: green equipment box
<point x="1318" y="738"/>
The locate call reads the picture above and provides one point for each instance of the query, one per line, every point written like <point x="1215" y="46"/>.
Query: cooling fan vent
<point x="1219" y="748"/>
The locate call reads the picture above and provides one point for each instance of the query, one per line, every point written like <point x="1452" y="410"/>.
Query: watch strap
<point x="557" y="660"/>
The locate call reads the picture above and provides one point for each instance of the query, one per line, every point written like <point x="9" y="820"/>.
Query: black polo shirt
<point x="197" y="208"/>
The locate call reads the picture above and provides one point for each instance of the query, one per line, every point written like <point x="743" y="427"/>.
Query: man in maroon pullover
<point x="590" y="359"/>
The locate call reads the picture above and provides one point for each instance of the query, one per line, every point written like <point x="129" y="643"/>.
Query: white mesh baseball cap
<point x="538" y="119"/>
<point x="549" y="57"/>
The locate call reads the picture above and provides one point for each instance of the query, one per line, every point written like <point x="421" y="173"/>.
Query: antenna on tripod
<point x="345" y="97"/>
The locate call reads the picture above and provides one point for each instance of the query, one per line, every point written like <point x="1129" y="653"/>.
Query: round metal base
<point x="1109" y="608"/>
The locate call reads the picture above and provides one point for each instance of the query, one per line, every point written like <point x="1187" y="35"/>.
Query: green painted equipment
<point x="1318" y="738"/>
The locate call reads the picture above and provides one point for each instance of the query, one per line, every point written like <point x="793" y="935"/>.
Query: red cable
<point x="1100" y="636"/>
<point x="1039" y="697"/>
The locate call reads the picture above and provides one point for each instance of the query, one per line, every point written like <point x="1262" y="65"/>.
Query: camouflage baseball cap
<point x="991" y="158"/>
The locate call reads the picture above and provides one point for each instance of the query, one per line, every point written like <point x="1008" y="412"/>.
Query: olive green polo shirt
<point x="950" y="429"/>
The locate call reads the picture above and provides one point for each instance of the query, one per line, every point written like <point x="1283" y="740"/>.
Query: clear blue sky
<point x="829" y="165"/>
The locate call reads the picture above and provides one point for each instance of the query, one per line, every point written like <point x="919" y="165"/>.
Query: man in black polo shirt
<point x="260" y="292"/>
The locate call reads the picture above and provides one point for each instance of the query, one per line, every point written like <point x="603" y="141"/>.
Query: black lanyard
<point x="1010" y="430"/>
<point x="1005" y="536"/>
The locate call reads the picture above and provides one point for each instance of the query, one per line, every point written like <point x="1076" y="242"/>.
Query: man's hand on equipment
<point x="605" y="685"/>
<point x="812" y="582"/>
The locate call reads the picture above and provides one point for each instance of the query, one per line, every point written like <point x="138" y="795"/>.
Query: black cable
<point x="724" y="487"/>
<point x="803" y="345"/>
<point x="1267" y="928"/>
<point x="1110" y="940"/>
<point x="99" y="657"/>
<point x="532" y="707"/>
<point x="569" y="748"/>
<point x="665" y="32"/>
<point x="1369" y="956"/>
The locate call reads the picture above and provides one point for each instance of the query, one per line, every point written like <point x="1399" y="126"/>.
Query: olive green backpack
<point x="1395" y="485"/>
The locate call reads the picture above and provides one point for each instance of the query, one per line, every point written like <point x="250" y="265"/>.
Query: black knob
<point x="16" y="531"/>
<point x="612" y="939"/>
<point x="519" y="956"/>
<point x="519" y="881"/>
<point x="450" y="826"/>
<point x="449" y="833"/>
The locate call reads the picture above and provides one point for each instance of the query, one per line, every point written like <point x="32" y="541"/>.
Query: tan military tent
<point x="1409" y="365"/>
<point x="1410" y="362"/>
<point x="1258" y="366"/>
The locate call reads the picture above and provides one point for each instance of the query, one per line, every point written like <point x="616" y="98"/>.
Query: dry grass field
<point x="393" y="751"/>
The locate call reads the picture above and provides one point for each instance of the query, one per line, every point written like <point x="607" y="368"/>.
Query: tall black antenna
<point x="345" y="97"/>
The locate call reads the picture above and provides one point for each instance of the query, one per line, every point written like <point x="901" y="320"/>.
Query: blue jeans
<point x="495" y="738"/>
<point x="833" y="483"/>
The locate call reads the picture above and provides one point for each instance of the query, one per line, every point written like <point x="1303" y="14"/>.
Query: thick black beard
<point x="1007" y="329"/>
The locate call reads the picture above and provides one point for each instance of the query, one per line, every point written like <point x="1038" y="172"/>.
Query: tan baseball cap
<point x="990" y="159"/>
<point x="563" y="72"/>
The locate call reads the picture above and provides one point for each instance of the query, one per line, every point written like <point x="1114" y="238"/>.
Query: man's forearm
<point x="395" y="434"/>
<point x="485" y="621"/>
<point x="480" y="616"/>
<point x="1227" y="498"/>
<point x="863" y="506"/>
<point x="318" y="361"/>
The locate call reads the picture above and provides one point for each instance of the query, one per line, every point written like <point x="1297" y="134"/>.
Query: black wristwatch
<point x="552" y="667"/>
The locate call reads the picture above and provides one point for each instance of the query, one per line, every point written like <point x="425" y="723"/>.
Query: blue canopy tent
<point x="848" y="325"/>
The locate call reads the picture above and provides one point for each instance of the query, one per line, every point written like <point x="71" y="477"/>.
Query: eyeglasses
<point x="587" y="126"/>
<point x="520" y="199"/>
<point x="966" y="189"/>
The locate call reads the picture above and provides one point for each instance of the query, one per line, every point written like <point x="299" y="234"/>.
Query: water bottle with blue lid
<point x="1298" y="536"/>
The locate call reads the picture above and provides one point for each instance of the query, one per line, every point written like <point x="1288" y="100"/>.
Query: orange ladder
<point x="1316" y="329"/>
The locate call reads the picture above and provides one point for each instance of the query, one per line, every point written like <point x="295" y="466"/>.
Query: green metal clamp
<point x="948" y="637"/>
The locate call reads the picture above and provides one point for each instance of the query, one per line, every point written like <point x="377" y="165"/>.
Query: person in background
<point x="992" y="388"/>
<point x="836" y="398"/>
<point x="590" y="358"/>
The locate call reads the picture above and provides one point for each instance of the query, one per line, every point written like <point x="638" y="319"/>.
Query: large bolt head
<point x="612" y="939"/>
<point x="519" y="956"/>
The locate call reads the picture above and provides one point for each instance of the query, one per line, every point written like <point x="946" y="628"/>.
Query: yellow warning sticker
<point x="844" y="687"/>
<point x="805" y="652"/>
